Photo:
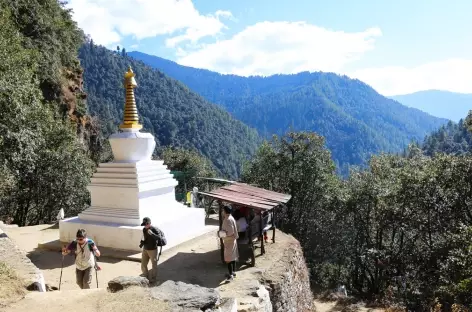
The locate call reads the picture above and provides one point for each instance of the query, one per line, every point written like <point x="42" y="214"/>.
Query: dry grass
<point x="12" y="287"/>
<point x="129" y="300"/>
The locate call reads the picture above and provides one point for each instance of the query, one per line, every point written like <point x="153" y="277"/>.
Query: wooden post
<point x="261" y="233"/>
<point x="273" y="224"/>
<point x="251" y="245"/>
<point x="220" y="220"/>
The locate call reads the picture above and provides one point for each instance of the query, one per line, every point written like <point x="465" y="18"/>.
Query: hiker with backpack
<point x="85" y="252"/>
<point x="152" y="239"/>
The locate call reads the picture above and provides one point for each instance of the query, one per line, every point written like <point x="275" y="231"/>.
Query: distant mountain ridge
<point x="443" y="104"/>
<point x="168" y="109"/>
<point x="355" y="120"/>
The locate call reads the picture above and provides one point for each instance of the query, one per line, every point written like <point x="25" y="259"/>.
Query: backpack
<point x="90" y="244"/>
<point x="161" y="238"/>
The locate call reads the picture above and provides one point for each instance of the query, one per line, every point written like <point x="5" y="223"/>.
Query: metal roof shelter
<point x="249" y="196"/>
<point x="259" y="199"/>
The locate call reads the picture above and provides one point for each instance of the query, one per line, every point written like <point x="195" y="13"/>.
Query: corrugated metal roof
<point x="249" y="196"/>
<point x="216" y="180"/>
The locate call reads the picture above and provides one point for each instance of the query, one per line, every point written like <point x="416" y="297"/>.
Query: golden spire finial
<point x="130" y="119"/>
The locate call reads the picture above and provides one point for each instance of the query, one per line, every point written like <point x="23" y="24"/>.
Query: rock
<point x="186" y="296"/>
<point x="290" y="292"/>
<point x="122" y="282"/>
<point x="17" y="260"/>
<point x="228" y="305"/>
<point x="257" y="299"/>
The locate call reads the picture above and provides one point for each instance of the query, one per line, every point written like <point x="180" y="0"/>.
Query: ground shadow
<point x="54" y="226"/>
<point x="212" y="221"/>
<point x="203" y="269"/>
<point x="48" y="260"/>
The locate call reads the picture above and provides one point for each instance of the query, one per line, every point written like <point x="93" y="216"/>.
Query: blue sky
<point x="396" y="46"/>
<point x="414" y="32"/>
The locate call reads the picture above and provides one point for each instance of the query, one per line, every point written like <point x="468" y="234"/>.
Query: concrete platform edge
<point x="127" y="255"/>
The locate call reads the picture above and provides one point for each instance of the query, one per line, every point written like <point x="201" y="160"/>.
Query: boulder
<point x="122" y="282"/>
<point x="187" y="297"/>
<point x="229" y="305"/>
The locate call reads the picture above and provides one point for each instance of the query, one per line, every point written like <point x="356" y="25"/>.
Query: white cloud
<point x="107" y="21"/>
<point x="453" y="75"/>
<point x="264" y="48"/>
<point x="269" y="48"/>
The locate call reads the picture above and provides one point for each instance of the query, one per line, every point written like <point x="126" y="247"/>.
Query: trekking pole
<point x="97" y="268"/>
<point x="62" y="266"/>
<point x="96" y="276"/>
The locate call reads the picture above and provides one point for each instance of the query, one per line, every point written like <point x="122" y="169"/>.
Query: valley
<point x="377" y="196"/>
<point x="356" y="121"/>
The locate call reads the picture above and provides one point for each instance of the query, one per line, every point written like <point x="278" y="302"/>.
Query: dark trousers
<point x="232" y="267"/>
<point x="83" y="278"/>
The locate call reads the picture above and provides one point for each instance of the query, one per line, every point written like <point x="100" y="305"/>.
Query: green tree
<point x="45" y="167"/>
<point x="300" y="165"/>
<point x="187" y="167"/>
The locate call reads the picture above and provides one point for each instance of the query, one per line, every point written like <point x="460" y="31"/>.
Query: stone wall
<point x="17" y="259"/>
<point x="289" y="282"/>
<point x="279" y="282"/>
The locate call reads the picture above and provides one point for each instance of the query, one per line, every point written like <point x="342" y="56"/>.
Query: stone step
<point x="114" y="212"/>
<point x="131" y="175"/>
<point x="142" y="164"/>
<point x="128" y="220"/>
<point x="111" y="209"/>
<point x="163" y="181"/>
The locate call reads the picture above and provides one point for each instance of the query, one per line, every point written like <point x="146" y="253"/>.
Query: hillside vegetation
<point x="43" y="164"/>
<point x="12" y="286"/>
<point x="355" y="120"/>
<point x="176" y="116"/>
<point x="452" y="138"/>
<point x="398" y="233"/>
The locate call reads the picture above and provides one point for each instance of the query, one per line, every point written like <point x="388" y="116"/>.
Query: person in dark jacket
<point x="149" y="245"/>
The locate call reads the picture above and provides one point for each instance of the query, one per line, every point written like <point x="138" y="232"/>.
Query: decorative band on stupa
<point x="130" y="118"/>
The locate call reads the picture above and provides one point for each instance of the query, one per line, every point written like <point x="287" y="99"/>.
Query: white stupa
<point x="130" y="188"/>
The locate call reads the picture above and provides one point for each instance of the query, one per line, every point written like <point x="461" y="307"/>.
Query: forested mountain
<point x="175" y="115"/>
<point x="397" y="233"/>
<point x="444" y="104"/>
<point x="43" y="164"/>
<point x="452" y="138"/>
<point x="355" y="120"/>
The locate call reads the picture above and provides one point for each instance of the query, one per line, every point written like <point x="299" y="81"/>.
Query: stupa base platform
<point x="185" y="224"/>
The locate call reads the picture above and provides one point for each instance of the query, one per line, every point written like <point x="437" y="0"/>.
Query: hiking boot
<point x="234" y="274"/>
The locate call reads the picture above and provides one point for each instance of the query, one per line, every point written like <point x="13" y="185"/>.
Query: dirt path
<point x="27" y="238"/>
<point x="94" y="300"/>
<point x="197" y="262"/>
<point x="333" y="306"/>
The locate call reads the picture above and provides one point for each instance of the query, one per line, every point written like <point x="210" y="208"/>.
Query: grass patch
<point x="133" y="298"/>
<point x="12" y="287"/>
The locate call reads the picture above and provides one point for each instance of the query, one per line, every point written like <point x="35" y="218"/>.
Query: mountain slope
<point x="175" y="115"/>
<point x="444" y="104"/>
<point x="355" y="120"/>
<point x="452" y="138"/>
